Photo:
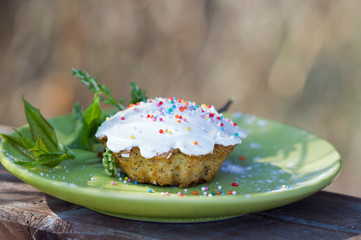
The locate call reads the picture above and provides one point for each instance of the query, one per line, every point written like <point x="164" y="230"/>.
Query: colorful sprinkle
<point x="195" y="143"/>
<point x="149" y="190"/>
<point x="122" y="118"/>
<point x="230" y="192"/>
<point x="235" y="184"/>
<point x="195" y="192"/>
<point x="112" y="183"/>
<point x="161" y="131"/>
<point x="132" y="136"/>
<point x="243" y="158"/>
<point x="188" y="128"/>
<point x="236" y="134"/>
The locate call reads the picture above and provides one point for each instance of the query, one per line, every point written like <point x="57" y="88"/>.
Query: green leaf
<point x="16" y="144"/>
<point x="137" y="94"/>
<point x="49" y="160"/>
<point x="91" y="121"/>
<point x="39" y="149"/>
<point x="25" y="141"/>
<point x="39" y="127"/>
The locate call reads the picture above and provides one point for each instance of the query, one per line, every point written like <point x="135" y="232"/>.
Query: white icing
<point x="134" y="127"/>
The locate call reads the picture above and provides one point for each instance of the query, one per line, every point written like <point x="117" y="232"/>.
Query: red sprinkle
<point x="234" y="124"/>
<point x="148" y="116"/>
<point x="243" y="158"/>
<point x="161" y="131"/>
<point x="218" y="192"/>
<point x="235" y="184"/>
<point x="211" y="115"/>
<point x="230" y="192"/>
<point x="219" y="118"/>
<point x="122" y="118"/>
<point x="182" y="195"/>
<point x="221" y="124"/>
<point x="195" y="193"/>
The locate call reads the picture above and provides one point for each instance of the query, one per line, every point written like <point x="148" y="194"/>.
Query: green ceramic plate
<point x="281" y="164"/>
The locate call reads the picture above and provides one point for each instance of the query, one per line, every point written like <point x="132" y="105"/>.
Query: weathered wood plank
<point x="27" y="213"/>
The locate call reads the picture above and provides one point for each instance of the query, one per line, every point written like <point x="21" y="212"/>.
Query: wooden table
<point x="27" y="213"/>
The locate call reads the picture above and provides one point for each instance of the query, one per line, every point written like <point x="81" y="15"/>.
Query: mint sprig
<point x="137" y="94"/>
<point x="43" y="147"/>
<point x="94" y="86"/>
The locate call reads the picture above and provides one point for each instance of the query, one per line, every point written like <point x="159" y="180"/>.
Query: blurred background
<point x="297" y="62"/>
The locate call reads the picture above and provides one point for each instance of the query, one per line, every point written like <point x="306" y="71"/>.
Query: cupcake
<point x="169" y="141"/>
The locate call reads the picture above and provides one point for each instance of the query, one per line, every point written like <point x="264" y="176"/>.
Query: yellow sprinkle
<point x="283" y="186"/>
<point x="207" y="117"/>
<point x="132" y="136"/>
<point x="107" y="119"/>
<point x="188" y="128"/>
<point x="204" y="106"/>
<point x="169" y="132"/>
<point x="126" y="178"/>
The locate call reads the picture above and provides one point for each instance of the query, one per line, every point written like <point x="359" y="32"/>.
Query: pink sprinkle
<point x="160" y="119"/>
<point x="179" y="193"/>
<point x="228" y="120"/>
<point x="202" y="116"/>
<point x="167" y="193"/>
<point x="112" y="183"/>
<point x="184" y="119"/>
<point x="154" y="119"/>
<point x="206" y="188"/>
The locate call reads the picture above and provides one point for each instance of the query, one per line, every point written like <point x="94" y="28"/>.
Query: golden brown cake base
<point x="172" y="168"/>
